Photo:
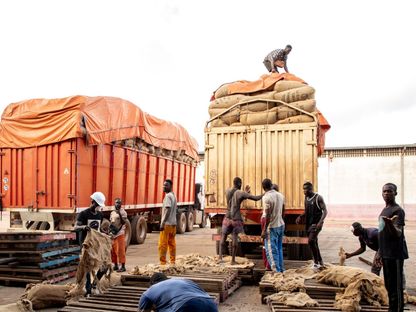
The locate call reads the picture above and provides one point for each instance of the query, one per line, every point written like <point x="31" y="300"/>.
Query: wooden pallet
<point x="313" y="288"/>
<point x="222" y="283"/>
<point x="120" y="298"/>
<point x="326" y="305"/>
<point x="33" y="257"/>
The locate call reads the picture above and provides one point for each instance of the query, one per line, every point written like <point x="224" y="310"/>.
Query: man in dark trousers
<point x="175" y="295"/>
<point x="367" y="237"/>
<point x="392" y="246"/>
<point x="277" y="58"/>
<point x="88" y="219"/>
<point x="315" y="214"/>
<point x="233" y="221"/>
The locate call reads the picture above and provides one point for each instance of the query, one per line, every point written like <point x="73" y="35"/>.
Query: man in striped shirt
<point x="276" y="59"/>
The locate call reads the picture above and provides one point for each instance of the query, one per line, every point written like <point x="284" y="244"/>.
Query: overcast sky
<point x="168" y="57"/>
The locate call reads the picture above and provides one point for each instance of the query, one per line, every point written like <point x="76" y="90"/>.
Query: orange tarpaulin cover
<point x="264" y="83"/>
<point x="106" y="119"/>
<point x="324" y="126"/>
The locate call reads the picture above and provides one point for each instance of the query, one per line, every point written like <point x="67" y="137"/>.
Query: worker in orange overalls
<point x="168" y="225"/>
<point x="118" y="219"/>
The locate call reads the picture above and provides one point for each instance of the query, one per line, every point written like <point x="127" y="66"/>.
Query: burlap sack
<point x="107" y="281"/>
<point x="359" y="283"/>
<point x="42" y="296"/>
<point x="297" y="299"/>
<point x="258" y="106"/>
<point x="284" y="112"/>
<point x="231" y="116"/>
<point x="215" y="111"/>
<point x="12" y="307"/>
<point x="306" y="105"/>
<point x="218" y="123"/>
<point x="294" y="95"/>
<point x="296" y="119"/>
<point x="284" y="85"/>
<point x="227" y="101"/>
<point x="236" y="124"/>
<point x="222" y="91"/>
<point x="258" y="118"/>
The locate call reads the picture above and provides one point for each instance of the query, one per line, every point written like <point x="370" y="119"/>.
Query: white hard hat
<point x="99" y="198"/>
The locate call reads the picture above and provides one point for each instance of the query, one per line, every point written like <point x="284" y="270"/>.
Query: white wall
<point x="351" y="184"/>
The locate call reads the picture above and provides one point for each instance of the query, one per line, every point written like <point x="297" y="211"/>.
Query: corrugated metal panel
<point x="286" y="154"/>
<point x="63" y="176"/>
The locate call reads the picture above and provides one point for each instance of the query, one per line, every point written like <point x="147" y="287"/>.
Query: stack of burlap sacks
<point x="260" y="111"/>
<point x="194" y="263"/>
<point x="141" y="145"/>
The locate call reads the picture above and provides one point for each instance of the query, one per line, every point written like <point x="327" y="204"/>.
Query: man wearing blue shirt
<point x="175" y="295"/>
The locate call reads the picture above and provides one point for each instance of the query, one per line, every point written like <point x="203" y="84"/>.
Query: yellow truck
<point x="285" y="153"/>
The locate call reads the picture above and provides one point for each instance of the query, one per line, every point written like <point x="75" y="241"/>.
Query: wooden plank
<point x="7" y="260"/>
<point x="112" y="307"/>
<point x="58" y="261"/>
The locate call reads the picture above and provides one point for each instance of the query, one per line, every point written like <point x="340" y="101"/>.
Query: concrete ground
<point x="334" y="235"/>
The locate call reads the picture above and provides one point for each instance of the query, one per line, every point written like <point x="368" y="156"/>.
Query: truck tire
<point x="190" y="222"/>
<point x="203" y="224"/>
<point x="181" y="223"/>
<point x="127" y="233"/>
<point x="138" y="229"/>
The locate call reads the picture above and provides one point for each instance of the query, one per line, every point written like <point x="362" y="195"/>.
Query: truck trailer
<point x="284" y="149"/>
<point x="55" y="153"/>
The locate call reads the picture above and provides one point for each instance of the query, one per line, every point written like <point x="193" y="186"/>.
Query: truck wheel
<point x="181" y="224"/>
<point x="44" y="226"/>
<point x="190" y="222"/>
<point x="128" y="233"/>
<point x="139" y="230"/>
<point x="203" y="224"/>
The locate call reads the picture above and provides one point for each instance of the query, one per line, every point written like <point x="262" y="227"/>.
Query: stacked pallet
<point x="314" y="289"/>
<point x="33" y="257"/>
<point x="119" y="298"/>
<point x="223" y="284"/>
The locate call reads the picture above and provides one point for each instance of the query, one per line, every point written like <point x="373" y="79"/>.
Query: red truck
<point x="55" y="153"/>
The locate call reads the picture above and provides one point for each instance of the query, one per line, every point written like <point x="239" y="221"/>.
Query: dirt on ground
<point x="334" y="235"/>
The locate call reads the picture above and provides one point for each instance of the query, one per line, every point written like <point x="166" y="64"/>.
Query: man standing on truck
<point x="277" y="58"/>
<point x="118" y="219"/>
<point x="367" y="237"/>
<point x="392" y="247"/>
<point x="274" y="228"/>
<point x="88" y="219"/>
<point x="315" y="214"/>
<point x="168" y="225"/>
<point x="233" y="221"/>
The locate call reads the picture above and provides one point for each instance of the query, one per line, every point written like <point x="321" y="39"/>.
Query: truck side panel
<point x="60" y="177"/>
<point x="284" y="153"/>
<point x="39" y="177"/>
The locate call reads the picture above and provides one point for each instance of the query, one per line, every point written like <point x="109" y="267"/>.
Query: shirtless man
<point x="233" y="221"/>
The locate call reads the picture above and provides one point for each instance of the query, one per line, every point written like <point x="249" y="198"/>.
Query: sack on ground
<point x="42" y="296"/>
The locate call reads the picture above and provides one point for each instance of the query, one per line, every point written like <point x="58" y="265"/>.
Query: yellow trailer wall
<point x="287" y="154"/>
